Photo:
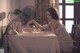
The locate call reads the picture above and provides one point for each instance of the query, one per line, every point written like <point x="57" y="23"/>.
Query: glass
<point x="69" y="11"/>
<point x="60" y="1"/>
<point x="69" y="1"/>
<point x="60" y="11"/>
<point x="68" y="25"/>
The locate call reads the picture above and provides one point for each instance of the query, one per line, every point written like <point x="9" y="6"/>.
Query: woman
<point x="65" y="41"/>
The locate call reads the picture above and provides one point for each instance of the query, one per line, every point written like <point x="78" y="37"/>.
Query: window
<point x="66" y="10"/>
<point x="69" y="11"/>
<point x="60" y="9"/>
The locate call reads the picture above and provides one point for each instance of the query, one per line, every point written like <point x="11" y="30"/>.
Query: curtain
<point x="54" y="3"/>
<point x="41" y="6"/>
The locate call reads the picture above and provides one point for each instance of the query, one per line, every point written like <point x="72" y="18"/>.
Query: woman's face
<point x="48" y="16"/>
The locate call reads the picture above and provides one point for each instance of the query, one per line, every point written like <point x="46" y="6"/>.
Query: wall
<point x="14" y="4"/>
<point x="24" y="3"/>
<point x="3" y="5"/>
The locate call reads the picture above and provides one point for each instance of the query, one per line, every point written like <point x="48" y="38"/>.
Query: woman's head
<point x="52" y="14"/>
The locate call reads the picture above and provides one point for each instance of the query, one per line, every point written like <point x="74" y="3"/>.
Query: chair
<point x="76" y="38"/>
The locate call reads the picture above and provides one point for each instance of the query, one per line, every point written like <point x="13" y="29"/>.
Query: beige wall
<point x="3" y="5"/>
<point x="12" y="5"/>
<point x="8" y="5"/>
<point x="24" y="3"/>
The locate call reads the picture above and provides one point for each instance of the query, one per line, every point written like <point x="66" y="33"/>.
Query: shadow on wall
<point x="2" y="16"/>
<point x="27" y="14"/>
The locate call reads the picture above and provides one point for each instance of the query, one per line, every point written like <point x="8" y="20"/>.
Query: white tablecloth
<point x="42" y="42"/>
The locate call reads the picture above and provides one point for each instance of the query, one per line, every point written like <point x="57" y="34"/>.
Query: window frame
<point x="63" y="18"/>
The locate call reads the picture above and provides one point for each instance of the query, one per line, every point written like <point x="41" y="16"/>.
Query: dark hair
<point x="53" y="13"/>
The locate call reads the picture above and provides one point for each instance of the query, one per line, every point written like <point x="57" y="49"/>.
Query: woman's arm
<point x="48" y="26"/>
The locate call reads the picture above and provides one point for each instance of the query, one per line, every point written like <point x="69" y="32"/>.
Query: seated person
<point x="65" y="41"/>
<point x="16" y="24"/>
<point x="14" y="27"/>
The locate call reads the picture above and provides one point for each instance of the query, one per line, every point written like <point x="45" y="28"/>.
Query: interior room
<point x="40" y="26"/>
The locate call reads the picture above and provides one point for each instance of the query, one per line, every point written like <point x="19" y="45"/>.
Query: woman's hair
<point x="53" y="13"/>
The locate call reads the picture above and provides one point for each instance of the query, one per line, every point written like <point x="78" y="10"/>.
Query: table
<point x="39" y="42"/>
